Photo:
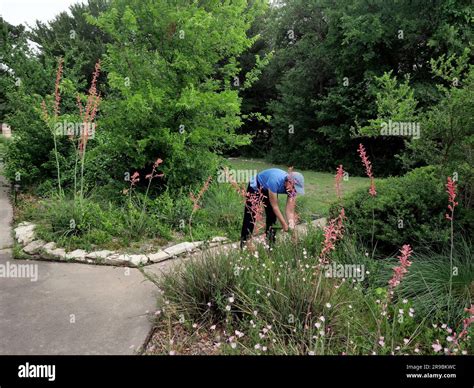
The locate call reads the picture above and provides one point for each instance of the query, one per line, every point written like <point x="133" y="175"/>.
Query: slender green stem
<point x="373" y="228"/>
<point x="451" y="265"/>
<point x="83" y="156"/>
<point x="76" y="161"/>
<point x="58" y="169"/>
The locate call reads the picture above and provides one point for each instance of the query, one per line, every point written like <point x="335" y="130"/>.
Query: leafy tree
<point x="255" y="97"/>
<point x="171" y="68"/>
<point x="72" y="37"/>
<point x="328" y="54"/>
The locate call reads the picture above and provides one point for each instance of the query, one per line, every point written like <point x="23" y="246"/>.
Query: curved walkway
<point x="58" y="308"/>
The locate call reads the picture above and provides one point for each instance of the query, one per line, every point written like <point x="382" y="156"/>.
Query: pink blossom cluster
<point x="368" y="169"/>
<point x="135" y="178"/>
<point x="57" y="94"/>
<point x="88" y="113"/>
<point x="400" y="271"/>
<point x="153" y="171"/>
<point x="332" y="233"/>
<point x="451" y="190"/>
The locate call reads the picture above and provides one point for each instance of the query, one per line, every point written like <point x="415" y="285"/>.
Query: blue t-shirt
<point x="272" y="179"/>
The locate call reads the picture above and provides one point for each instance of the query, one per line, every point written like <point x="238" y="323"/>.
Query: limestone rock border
<point x="41" y="250"/>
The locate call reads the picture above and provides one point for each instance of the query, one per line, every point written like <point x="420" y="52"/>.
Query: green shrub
<point x="87" y="224"/>
<point x="406" y="210"/>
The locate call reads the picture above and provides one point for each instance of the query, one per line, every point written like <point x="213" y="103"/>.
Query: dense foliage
<point x="409" y="209"/>
<point x="326" y="57"/>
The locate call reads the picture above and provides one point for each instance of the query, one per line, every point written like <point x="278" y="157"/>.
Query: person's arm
<point x="290" y="211"/>
<point x="274" y="204"/>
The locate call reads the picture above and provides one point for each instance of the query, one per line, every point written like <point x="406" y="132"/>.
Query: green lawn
<point x="319" y="186"/>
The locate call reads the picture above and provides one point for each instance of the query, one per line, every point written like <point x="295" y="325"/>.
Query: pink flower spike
<point x="400" y="271"/>
<point x="339" y="177"/>
<point x="451" y="190"/>
<point x="135" y="178"/>
<point x="368" y="169"/>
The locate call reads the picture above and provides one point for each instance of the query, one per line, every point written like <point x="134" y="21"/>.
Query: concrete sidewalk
<point x="71" y="308"/>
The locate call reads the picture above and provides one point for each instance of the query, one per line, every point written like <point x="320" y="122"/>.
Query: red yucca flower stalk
<point x="451" y="190"/>
<point x="332" y="233"/>
<point x="89" y="112"/>
<point x="240" y="190"/>
<point x="398" y="274"/>
<point x="454" y="338"/>
<point x="400" y="271"/>
<point x="57" y="100"/>
<point x="197" y="198"/>
<point x="155" y="166"/>
<point x="291" y="183"/>
<point x="256" y="208"/>
<point x="135" y="178"/>
<point x="339" y="177"/>
<point x="335" y="229"/>
<point x="368" y="169"/>
<point x="57" y="95"/>
<point x="44" y="110"/>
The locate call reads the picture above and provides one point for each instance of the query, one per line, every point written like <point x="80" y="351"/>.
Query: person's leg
<point x="248" y="222"/>
<point x="271" y="219"/>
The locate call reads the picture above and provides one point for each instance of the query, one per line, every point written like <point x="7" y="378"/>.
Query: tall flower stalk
<point x="451" y="189"/>
<point x="338" y="181"/>
<point x="150" y="177"/>
<point x="196" y="199"/>
<point x="48" y="120"/>
<point x="87" y="115"/>
<point x="372" y="191"/>
<point x="399" y="273"/>
<point x="256" y="208"/>
<point x="253" y="201"/>
<point x="333" y="232"/>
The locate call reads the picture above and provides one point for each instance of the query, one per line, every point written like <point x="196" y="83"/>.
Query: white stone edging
<point x="39" y="249"/>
